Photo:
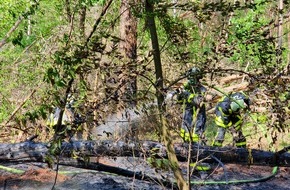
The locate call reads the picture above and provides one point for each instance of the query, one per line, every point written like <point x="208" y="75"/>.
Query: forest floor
<point x="38" y="176"/>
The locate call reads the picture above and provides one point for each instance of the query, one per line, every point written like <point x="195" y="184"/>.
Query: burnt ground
<point x="38" y="176"/>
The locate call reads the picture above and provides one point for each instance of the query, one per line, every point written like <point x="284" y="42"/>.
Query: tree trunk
<point x="156" y="52"/>
<point x="32" y="151"/>
<point x="83" y="13"/>
<point x="280" y="33"/>
<point x="68" y="10"/>
<point x="128" y="30"/>
<point x="160" y="97"/>
<point x="128" y="47"/>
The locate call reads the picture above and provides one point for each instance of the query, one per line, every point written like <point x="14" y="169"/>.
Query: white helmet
<point x="239" y="101"/>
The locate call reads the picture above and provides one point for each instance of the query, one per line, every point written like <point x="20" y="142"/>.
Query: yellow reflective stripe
<point x="238" y="123"/>
<point x="215" y="143"/>
<point x="220" y="123"/>
<point x="238" y="127"/>
<point x="182" y="133"/>
<point x="222" y="99"/>
<point x="191" y="96"/>
<point x="200" y="167"/>
<point x="186" y="136"/>
<point x="51" y="121"/>
<point x="195" y="137"/>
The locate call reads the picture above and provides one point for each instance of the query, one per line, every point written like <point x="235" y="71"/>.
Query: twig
<point x="14" y="27"/>
<point x="56" y="175"/>
<point x="98" y="21"/>
<point x="223" y="166"/>
<point x="18" y="22"/>
<point x="18" y="108"/>
<point x="32" y="138"/>
<point x="284" y="150"/>
<point x="245" y="71"/>
<point x="119" y="171"/>
<point x="188" y="162"/>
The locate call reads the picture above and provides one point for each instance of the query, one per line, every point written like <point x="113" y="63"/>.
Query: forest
<point x="87" y="83"/>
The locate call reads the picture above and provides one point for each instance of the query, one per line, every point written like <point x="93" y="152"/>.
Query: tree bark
<point x="156" y="52"/>
<point x="149" y="8"/>
<point x="280" y="33"/>
<point x="34" y="151"/>
<point x="68" y="10"/>
<point x="128" y="47"/>
<point x="15" y="26"/>
<point x="82" y="23"/>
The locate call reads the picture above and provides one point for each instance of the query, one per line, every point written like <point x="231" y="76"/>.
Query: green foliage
<point x="24" y="55"/>
<point x="210" y="34"/>
<point x="4" y="111"/>
<point x="250" y="35"/>
<point x="37" y="113"/>
<point x="48" y="18"/>
<point x="211" y="131"/>
<point x="10" y="11"/>
<point x="259" y="127"/>
<point x="159" y="164"/>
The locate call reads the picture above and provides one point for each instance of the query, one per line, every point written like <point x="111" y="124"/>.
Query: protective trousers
<point x="193" y="128"/>
<point x="236" y="131"/>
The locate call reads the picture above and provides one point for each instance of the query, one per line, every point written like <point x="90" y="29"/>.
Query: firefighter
<point x="229" y="117"/>
<point x="70" y="122"/>
<point x="194" y="116"/>
<point x="68" y="114"/>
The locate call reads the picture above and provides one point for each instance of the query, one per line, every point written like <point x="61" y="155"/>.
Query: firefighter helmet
<point x="239" y="101"/>
<point x="194" y="73"/>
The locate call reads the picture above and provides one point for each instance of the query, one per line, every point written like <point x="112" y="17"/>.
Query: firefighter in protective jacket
<point x="194" y="116"/>
<point x="228" y="117"/>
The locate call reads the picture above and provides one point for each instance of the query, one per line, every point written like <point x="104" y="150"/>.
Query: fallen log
<point x="34" y="151"/>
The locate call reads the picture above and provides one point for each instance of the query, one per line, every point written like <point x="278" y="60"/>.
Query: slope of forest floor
<point x="38" y="176"/>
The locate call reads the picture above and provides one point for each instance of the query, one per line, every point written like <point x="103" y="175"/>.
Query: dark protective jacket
<point x="192" y="99"/>
<point x="225" y="116"/>
<point x="228" y="115"/>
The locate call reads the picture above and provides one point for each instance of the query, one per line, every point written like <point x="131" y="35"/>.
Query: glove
<point x="182" y="96"/>
<point x="195" y="99"/>
<point x="198" y="100"/>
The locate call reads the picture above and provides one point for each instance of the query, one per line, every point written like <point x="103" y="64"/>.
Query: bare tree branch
<point x="18" y="108"/>
<point x="13" y="28"/>
<point x="18" y="22"/>
<point x="99" y="20"/>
